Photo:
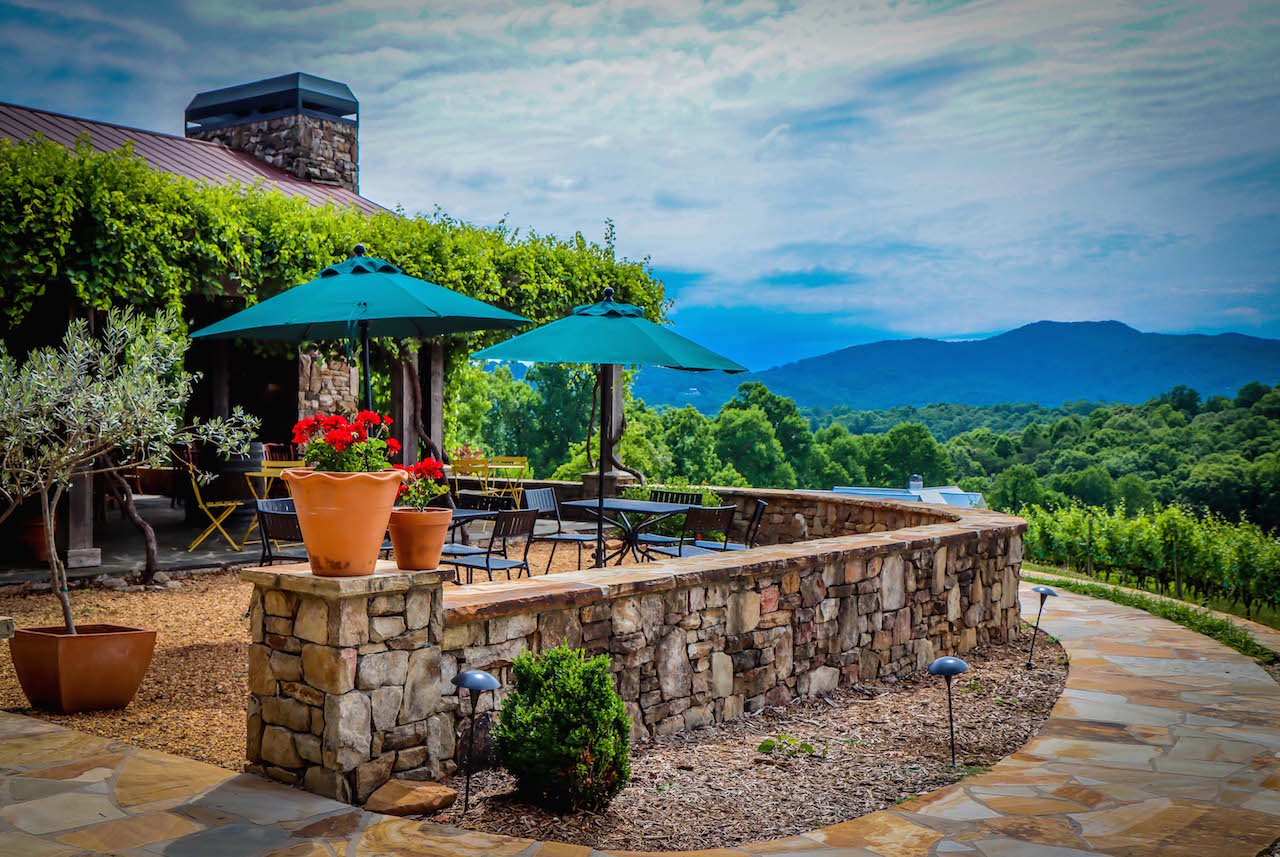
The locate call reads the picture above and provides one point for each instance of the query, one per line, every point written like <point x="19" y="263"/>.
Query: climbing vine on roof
<point x="105" y="229"/>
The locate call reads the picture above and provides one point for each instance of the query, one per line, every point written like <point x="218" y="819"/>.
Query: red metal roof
<point x="194" y="159"/>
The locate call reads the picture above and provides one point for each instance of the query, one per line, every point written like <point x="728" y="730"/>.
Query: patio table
<point x="647" y="513"/>
<point x="269" y="473"/>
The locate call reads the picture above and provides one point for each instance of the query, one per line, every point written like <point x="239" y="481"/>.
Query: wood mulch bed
<point x="876" y="745"/>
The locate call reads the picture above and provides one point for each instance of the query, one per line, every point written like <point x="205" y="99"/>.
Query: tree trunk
<point x="57" y="571"/>
<point x="120" y="487"/>
<point x="410" y="367"/>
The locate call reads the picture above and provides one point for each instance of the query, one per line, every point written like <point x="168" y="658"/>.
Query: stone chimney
<point x="305" y="125"/>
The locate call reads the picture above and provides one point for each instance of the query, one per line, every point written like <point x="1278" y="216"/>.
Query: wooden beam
<point x="432" y="375"/>
<point x="80" y="550"/>
<point x="220" y="379"/>
<point x="403" y="420"/>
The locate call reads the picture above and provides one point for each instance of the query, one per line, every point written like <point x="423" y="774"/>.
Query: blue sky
<point x="804" y="176"/>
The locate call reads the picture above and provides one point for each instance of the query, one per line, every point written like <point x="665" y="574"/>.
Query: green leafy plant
<point x="98" y="405"/>
<point x="426" y="483"/>
<point x="1198" y="620"/>
<point x="788" y="746"/>
<point x="563" y="731"/>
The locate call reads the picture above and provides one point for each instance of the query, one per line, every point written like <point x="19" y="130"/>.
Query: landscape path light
<point x="476" y="681"/>
<point x="949" y="668"/>
<point x="1044" y="592"/>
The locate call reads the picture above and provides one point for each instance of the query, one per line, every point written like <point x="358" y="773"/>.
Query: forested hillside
<point x="1220" y="454"/>
<point x="1048" y="362"/>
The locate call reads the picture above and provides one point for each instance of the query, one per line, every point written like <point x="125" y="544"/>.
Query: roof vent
<point x="915" y="482"/>
<point x="287" y="95"/>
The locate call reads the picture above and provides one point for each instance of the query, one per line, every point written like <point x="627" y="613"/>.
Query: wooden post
<point x="220" y="378"/>
<point x="80" y="550"/>
<point x="403" y="419"/>
<point x="433" y="390"/>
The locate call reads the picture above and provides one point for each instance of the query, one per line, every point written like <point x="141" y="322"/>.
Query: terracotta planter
<point x="99" y="667"/>
<point x="343" y="517"/>
<point x="418" y="536"/>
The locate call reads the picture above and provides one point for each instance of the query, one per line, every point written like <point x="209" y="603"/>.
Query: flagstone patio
<point x="1164" y="743"/>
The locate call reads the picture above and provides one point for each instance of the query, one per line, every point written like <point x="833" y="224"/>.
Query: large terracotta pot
<point x="418" y="536"/>
<point x="34" y="540"/>
<point x="343" y="517"/>
<point x="99" y="667"/>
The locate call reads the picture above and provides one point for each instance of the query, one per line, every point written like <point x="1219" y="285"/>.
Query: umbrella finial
<point x="608" y="293"/>
<point x="358" y="250"/>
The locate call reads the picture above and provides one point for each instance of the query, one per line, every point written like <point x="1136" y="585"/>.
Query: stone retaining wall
<point x="692" y="641"/>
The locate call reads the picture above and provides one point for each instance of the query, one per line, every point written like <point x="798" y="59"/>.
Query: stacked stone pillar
<point x="344" y="679"/>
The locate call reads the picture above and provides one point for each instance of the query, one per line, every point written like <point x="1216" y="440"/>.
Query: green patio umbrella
<point x="605" y="334"/>
<point x="357" y="299"/>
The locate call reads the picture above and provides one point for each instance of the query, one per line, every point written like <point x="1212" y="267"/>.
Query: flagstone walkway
<point x="1163" y="743"/>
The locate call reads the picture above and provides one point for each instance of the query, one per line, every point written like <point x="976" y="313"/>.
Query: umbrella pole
<point x="368" y="380"/>
<point x="606" y="417"/>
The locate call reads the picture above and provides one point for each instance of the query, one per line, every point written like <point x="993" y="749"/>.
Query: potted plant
<point x="344" y="497"/>
<point x="417" y="530"/>
<point x="93" y="405"/>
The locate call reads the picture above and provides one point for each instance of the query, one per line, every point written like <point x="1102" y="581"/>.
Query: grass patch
<point x="1261" y="613"/>
<point x="1198" y="620"/>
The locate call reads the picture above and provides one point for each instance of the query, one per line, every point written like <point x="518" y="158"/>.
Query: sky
<point x="803" y="176"/>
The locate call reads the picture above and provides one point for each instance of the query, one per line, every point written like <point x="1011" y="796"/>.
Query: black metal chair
<point x="544" y="500"/>
<point x="753" y="532"/>
<point x="703" y="519"/>
<point x="510" y="524"/>
<point x="664" y="495"/>
<point x="278" y="522"/>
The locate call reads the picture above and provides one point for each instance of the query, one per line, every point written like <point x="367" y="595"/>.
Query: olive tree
<point x="98" y="404"/>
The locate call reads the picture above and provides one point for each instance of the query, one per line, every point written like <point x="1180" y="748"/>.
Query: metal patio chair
<point x="664" y="495"/>
<point x="544" y="500"/>
<point x="278" y="522"/>
<point x="703" y="519"/>
<point x="511" y="524"/>
<point x="753" y="532"/>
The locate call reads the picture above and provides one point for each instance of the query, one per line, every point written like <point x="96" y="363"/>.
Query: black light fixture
<point x="949" y="668"/>
<point x="1044" y="592"/>
<point x="476" y="681"/>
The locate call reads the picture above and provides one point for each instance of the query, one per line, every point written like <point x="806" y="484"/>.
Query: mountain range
<point x="1047" y="362"/>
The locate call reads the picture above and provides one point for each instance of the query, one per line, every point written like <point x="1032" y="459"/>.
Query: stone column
<point x="344" y="679"/>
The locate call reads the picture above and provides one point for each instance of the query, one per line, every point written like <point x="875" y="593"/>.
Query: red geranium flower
<point x="393" y="446"/>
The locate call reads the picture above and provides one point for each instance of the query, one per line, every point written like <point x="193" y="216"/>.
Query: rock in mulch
<point x="404" y="797"/>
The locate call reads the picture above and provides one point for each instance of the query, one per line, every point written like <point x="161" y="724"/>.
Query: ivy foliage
<point x="106" y="230"/>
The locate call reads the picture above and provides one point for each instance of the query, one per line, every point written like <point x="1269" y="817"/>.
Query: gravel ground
<point x="875" y="745"/>
<point x="192" y="701"/>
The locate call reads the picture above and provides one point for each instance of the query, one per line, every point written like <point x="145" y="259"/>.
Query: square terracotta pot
<point x="99" y="667"/>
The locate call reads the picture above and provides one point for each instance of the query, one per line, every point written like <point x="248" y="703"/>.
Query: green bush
<point x="564" y="733"/>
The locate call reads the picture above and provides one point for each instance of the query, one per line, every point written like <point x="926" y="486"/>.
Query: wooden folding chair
<point x="216" y="510"/>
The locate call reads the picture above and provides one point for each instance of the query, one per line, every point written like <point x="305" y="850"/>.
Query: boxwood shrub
<point x="563" y="732"/>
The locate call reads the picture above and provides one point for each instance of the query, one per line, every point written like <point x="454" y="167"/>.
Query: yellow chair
<point x="506" y="476"/>
<point x="476" y="468"/>
<point x="216" y="510"/>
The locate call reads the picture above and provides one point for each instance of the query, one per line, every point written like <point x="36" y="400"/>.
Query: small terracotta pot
<point x="343" y="517"/>
<point x="418" y="536"/>
<point x="99" y="667"/>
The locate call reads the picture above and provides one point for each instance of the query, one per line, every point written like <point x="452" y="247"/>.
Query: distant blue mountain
<point x="1048" y="362"/>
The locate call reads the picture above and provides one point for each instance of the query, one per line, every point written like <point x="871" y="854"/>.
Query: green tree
<point x="1016" y="487"/>
<point x="1132" y="490"/>
<point x="1093" y="486"/>
<point x="909" y="449"/>
<point x="691" y="438"/>
<point x="1250" y="393"/>
<point x="745" y="440"/>
<point x="789" y="426"/>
